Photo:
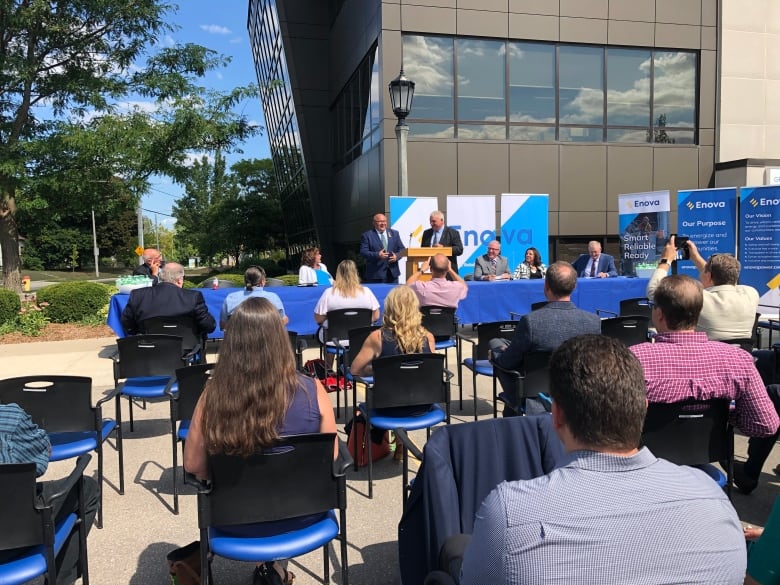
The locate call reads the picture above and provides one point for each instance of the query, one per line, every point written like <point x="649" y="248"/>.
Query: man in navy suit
<point x="594" y="264"/>
<point x="167" y="299"/>
<point x="443" y="236"/>
<point x="381" y="247"/>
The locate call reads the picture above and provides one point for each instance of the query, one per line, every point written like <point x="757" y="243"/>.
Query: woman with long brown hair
<point x="255" y="395"/>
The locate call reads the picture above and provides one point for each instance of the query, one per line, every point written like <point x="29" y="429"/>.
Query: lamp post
<point x="401" y="94"/>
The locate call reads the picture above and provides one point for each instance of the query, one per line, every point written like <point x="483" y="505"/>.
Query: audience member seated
<point x="168" y="299"/>
<point x="401" y="333"/>
<point x="615" y="513"/>
<point x="21" y="441"/>
<point x="254" y="281"/>
<point x="729" y="309"/>
<point x="763" y="567"/>
<point x="255" y="395"/>
<point x="492" y="266"/>
<point x="746" y="474"/>
<point x="683" y="364"/>
<point x="543" y="330"/>
<point x="531" y="267"/>
<point x="445" y="288"/>
<point x="151" y="266"/>
<point x="312" y="271"/>
<point x="594" y="264"/>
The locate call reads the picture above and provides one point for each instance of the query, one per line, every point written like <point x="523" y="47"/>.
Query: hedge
<point x="71" y="302"/>
<point x="10" y="305"/>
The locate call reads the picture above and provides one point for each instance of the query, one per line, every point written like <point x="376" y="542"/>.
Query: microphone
<point x="411" y="235"/>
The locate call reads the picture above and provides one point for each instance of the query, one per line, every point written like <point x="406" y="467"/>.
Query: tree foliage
<point x="66" y="69"/>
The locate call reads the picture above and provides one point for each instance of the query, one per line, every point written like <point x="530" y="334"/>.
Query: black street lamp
<point x="401" y="95"/>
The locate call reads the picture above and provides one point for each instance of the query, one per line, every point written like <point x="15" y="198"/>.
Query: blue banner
<point x="709" y="218"/>
<point x="759" y="240"/>
<point x="524" y="224"/>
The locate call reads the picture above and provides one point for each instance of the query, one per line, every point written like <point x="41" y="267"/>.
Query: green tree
<point x="63" y="68"/>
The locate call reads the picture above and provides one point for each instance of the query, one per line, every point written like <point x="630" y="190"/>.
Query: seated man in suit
<point x="381" y="247"/>
<point x="23" y="442"/>
<point x="543" y="330"/>
<point x="615" y="513"/>
<point x="441" y="235"/>
<point x="151" y="266"/>
<point x="167" y="299"/>
<point x="594" y="264"/>
<point x="492" y="266"/>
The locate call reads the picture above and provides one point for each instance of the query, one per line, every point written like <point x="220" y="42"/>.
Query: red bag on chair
<point x="378" y="450"/>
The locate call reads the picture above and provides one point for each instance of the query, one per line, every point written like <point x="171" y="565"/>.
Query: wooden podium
<point x="416" y="255"/>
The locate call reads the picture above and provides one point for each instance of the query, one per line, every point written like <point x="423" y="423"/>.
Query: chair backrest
<point x="488" y="331"/>
<point x="148" y="355"/>
<point x="357" y="338"/>
<point x="636" y="306"/>
<point x="689" y="432"/>
<point x="183" y="326"/>
<point x="191" y="381"/>
<point x="20" y="519"/>
<point x="414" y="379"/>
<point x="537" y="373"/>
<point x="341" y="321"/>
<point x="294" y="478"/>
<point x="630" y="329"/>
<point x="745" y="343"/>
<point x="439" y="321"/>
<point x="55" y="403"/>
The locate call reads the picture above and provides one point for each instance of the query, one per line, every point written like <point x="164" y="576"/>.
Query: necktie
<point x="493" y="265"/>
<point x="593" y="268"/>
<point x="383" y="237"/>
<point x="435" y="239"/>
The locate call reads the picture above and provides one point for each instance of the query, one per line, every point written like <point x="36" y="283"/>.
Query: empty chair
<point x="295" y="478"/>
<point x="636" y="306"/>
<point x="62" y="406"/>
<point x="356" y="339"/>
<point x="30" y="524"/>
<point x="193" y="343"/>
<point x="630" y="330"/>
<point x="442" y="324"/>
<point x="298" y="345"/>
<point x="478" y="362"/>
<point x="532" y="382"/>
<point x="189" y="386"/>
<point x="692" y="432"/>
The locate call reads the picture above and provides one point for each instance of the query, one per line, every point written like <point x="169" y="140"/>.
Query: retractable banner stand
<point x="409" y="216"/>
<point x="524" y="224"/>
<point x="644" y="228"/>
<point x="759" y="241"/>
<point x="709" y="218"/>
<point x="474" y="216"/>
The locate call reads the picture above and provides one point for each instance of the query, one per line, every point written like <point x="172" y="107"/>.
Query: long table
<point x="486" y="301"/>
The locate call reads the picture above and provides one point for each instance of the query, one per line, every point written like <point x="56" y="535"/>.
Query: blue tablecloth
<point x="486" y="301"/>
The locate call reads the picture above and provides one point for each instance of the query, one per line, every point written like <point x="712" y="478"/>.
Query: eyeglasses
<point x="495" y="249"/>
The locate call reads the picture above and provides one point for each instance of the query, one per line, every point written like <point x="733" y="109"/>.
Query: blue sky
<point x="220" y="26"/>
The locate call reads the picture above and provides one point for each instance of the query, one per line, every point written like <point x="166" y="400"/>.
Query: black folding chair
<point x="442" y="324"/>
<point x="193" y="343"/>
<point x="295" y="478"/>
<point x="630" y="330"/>
<point x="532" y="382"/>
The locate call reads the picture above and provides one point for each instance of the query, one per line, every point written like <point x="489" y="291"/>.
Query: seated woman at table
<point x="532" y="267"/>
<point x="254" y="281"/>
<point x="401" y="333"/>
<point x="312" y="271"/>
<point x="254" y="397"/>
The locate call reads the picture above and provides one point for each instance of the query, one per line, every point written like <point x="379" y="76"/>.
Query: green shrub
<point x="289" y="279"/>
<point x="9" y="305"/>
<point x="72" y="302"/>
<point x="189" y="284"/>
<point x="32" y="320"/>
<point x="31" y="262"/>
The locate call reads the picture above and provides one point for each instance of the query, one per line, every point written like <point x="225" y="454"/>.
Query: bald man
<point x="151" y="266"/>
<point x="381" y="247"/>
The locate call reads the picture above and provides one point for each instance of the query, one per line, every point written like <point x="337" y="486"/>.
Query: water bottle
<point x="215" y="284"/>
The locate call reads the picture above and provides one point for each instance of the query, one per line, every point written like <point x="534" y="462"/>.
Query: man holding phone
<point x="381" y="247"/>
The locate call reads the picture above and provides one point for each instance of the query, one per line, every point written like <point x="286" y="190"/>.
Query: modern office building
<point x="581" y="99"/>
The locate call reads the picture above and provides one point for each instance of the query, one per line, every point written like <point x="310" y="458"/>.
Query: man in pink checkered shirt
<point x="683" y="364"/>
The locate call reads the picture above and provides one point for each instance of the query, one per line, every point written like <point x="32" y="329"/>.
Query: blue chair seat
<point x="72" y="444"/>
<point x="433" y="416"/>
<point x="184" y="429"/>
<point x="33" y="563"/>
<point x="445" y="344"/>
<point x="715" y="473"/>
<point x="482" y="367"/>
<point x="148" y="387"/>
<point x="269" y="548"/>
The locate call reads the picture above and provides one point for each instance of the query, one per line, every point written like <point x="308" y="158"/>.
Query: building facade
<point x="580" y="99"/>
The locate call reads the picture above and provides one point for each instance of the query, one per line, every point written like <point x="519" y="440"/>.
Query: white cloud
<point x="215" y="29"/>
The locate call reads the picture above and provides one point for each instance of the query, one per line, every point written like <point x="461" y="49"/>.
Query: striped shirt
<point x="682" y="365"/>
<point x="21" y="441"/>
<point x="604" y="519"/>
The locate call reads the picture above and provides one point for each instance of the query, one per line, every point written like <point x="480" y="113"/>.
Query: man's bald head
<point x="440" y="265"/>
<point x="679" y="298"/>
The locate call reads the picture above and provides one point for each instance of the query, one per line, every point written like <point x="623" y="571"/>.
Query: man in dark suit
<point x="594" y="264"/>
<point x="543" y="330"/>
<point x="381" y="247"/>
<point x="442" y="236"/>
<point x="167" y="299"/>
<point x="151" y="266"/>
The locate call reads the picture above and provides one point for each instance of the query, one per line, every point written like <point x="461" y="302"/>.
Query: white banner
<point x="474" y="216"/>
<point x="410" y="217"/>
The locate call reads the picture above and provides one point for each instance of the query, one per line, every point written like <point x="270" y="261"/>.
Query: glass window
<point x="574" y="134"/>
<point x="628" y="87"/>
<point x="626" y="135"/>
<point x="581" y="92"/>
<point x="428" y="61"/>
<point x="531" y="82"/>
<point x="481" y="80"/>
<point x="537" y="133"/>
<point x="674" y="89"/>
<point x="482" y="131"/>
<point x="376" y="107"/>
<point x="431" y="130"/>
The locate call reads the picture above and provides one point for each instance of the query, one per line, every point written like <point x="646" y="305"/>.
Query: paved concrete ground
<point x="140" y="528"/>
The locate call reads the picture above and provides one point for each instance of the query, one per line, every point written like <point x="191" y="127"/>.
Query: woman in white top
<point x="312" y="271"/>
<point x="346" y="293"/>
